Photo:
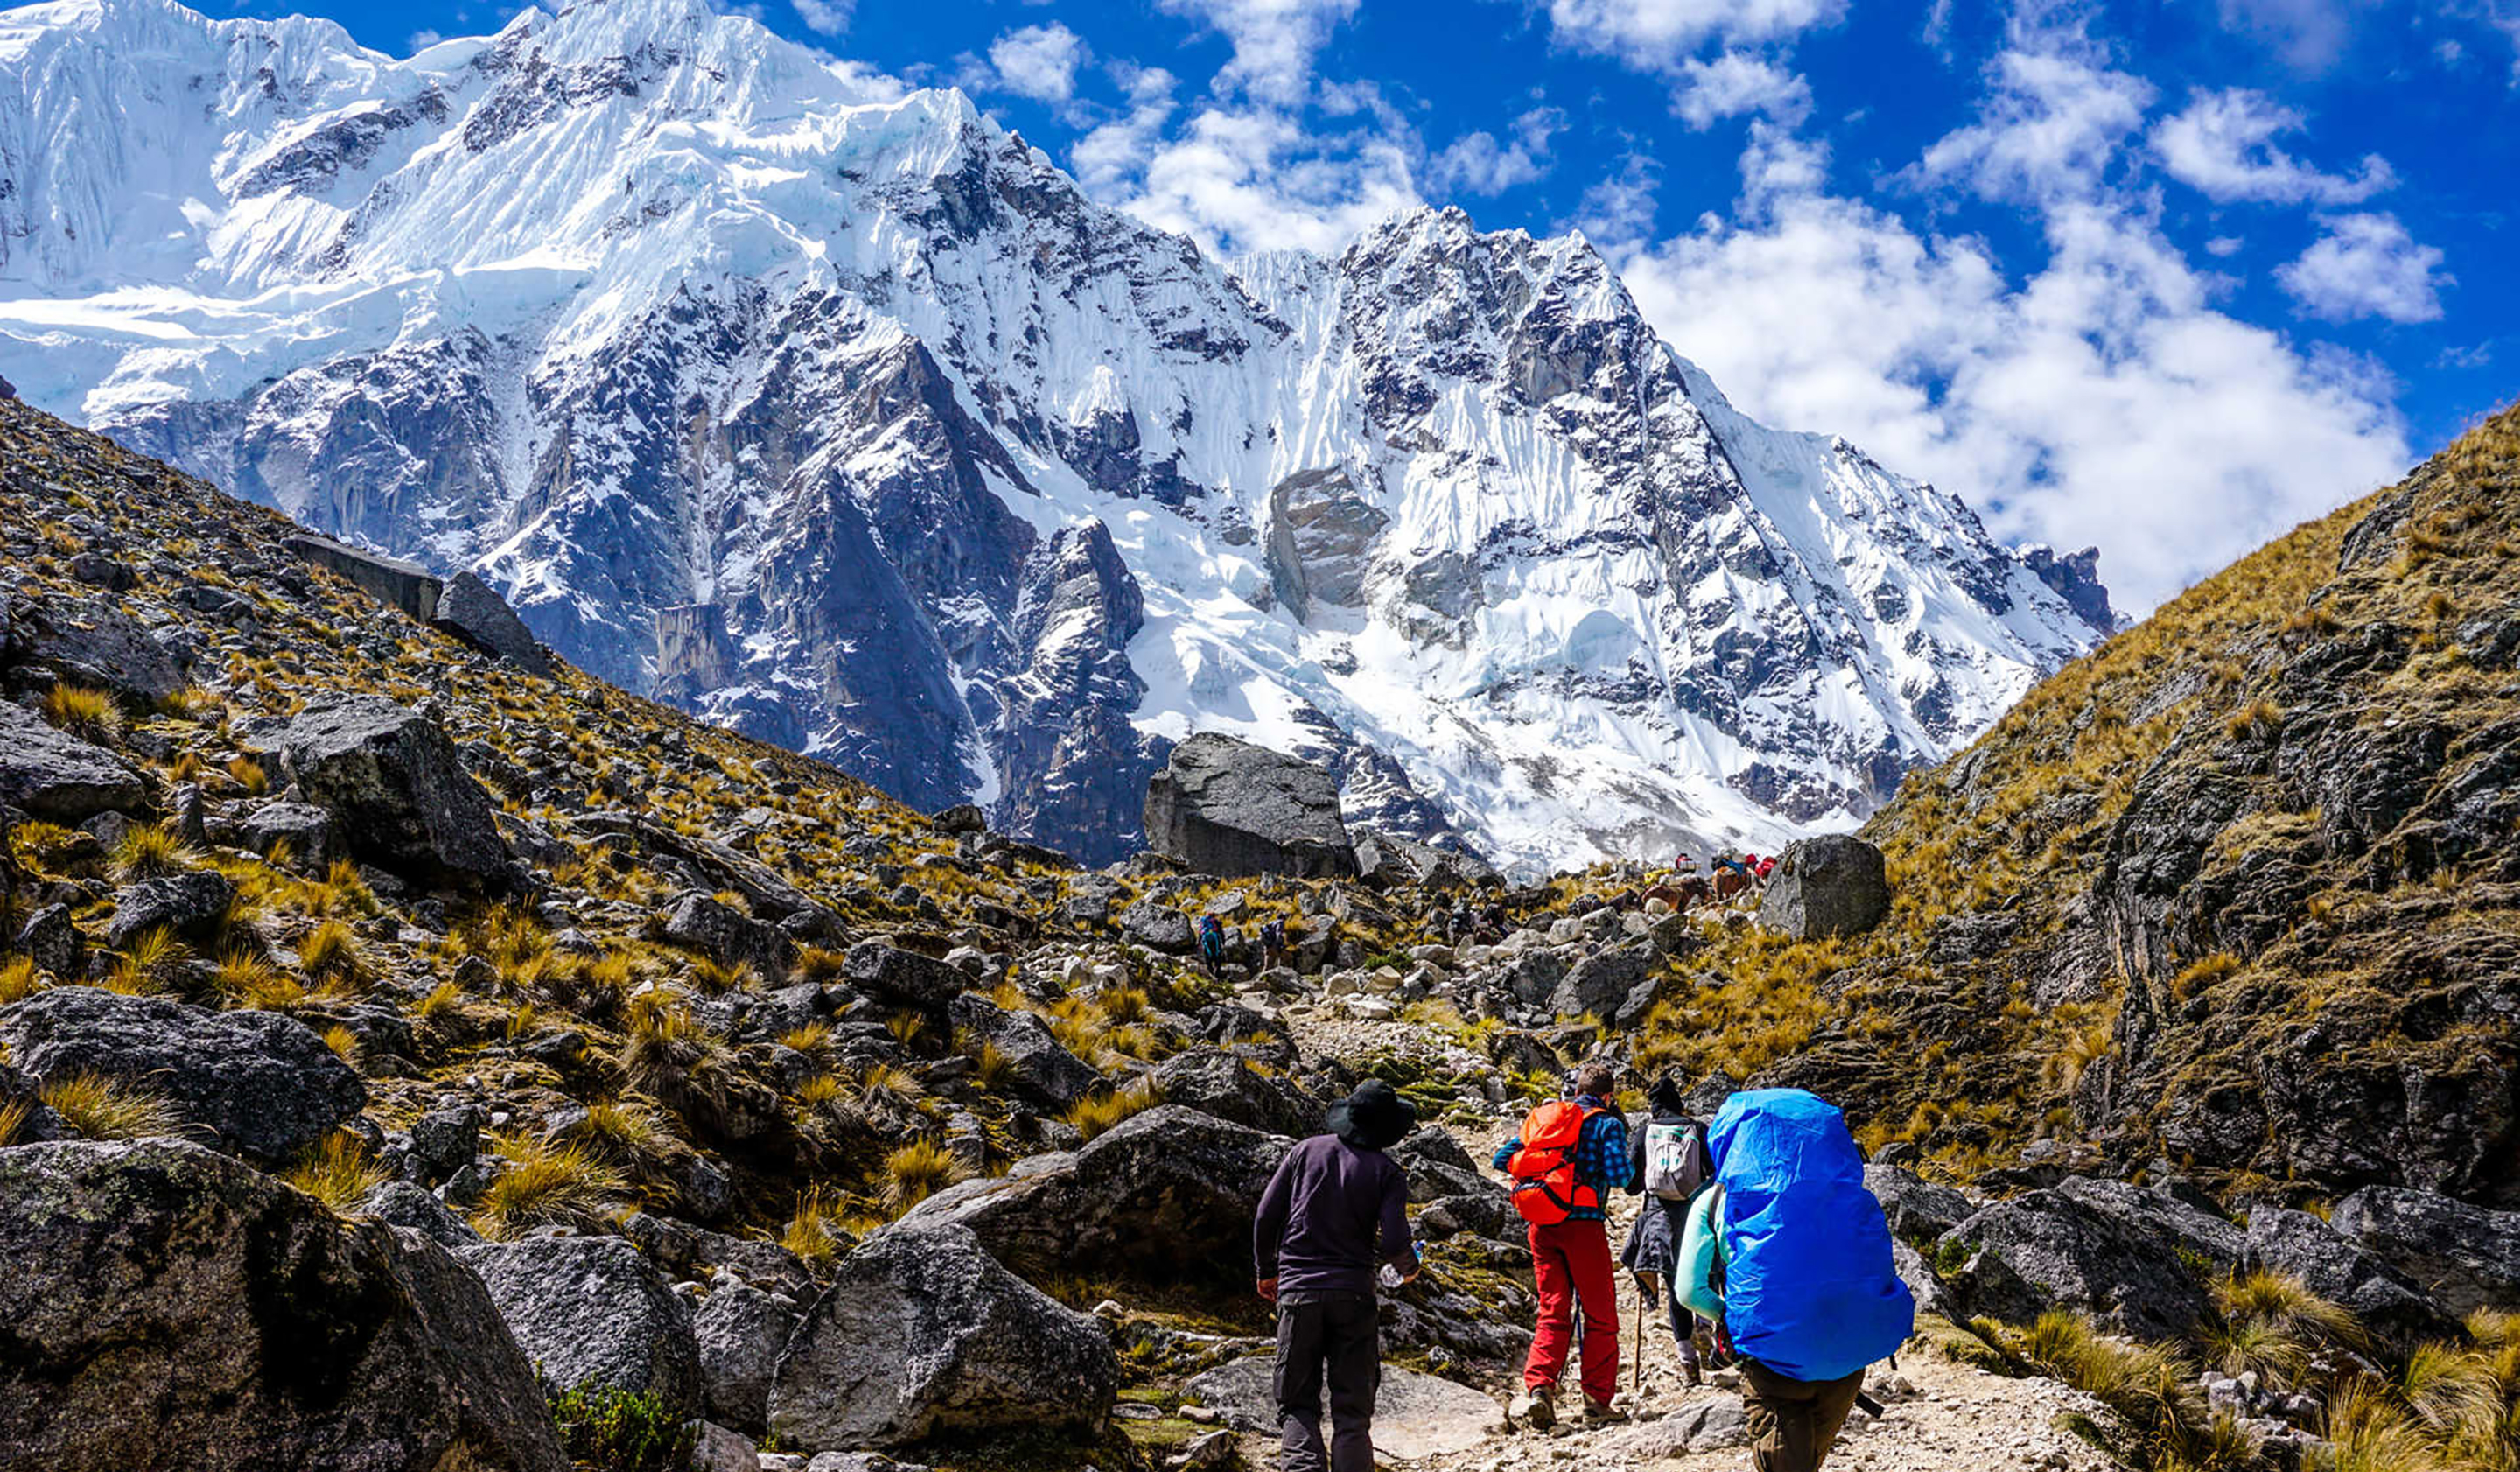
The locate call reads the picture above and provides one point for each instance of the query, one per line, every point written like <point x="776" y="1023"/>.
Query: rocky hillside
<point x="843" y="418"/>
<point x="2236" y="900"/>
<point x="415" y="1054"/>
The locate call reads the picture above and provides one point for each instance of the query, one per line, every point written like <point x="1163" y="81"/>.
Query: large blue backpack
<point x="1809" y="1290"/>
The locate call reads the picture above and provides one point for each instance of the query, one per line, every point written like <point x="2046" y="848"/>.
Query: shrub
<point x="89" y="714"/>
<point x="330" y="955"/>
<point x="247" y="978"/>
<point x="1096" y="1114"/>
<point x="539" y="1184"/>
<point x="103" y="1108"/>
<point x="344" y="1042"/>
<point x="147" y="965"/>
<point x="605" y="1428"/>
<point x="248" y="774"/>
<point x="149" y="852"/>
<point x="16" y="979"/>
<point x="624" y="1130"/>
<point x="338" y="1171"/>
<point x="13" y="1119"/>
<point x="915" y="1172"/>
<point x="814" y="1232"/>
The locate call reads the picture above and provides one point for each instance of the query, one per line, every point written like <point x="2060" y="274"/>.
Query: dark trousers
<point x="1334" y="1336"/>
<point x="1794" y="1423"/>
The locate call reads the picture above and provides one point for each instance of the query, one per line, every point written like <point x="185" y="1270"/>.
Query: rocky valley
<point x="416" y="1052"/>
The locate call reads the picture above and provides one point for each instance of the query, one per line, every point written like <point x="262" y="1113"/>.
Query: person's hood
<point x="1665" y="1098"/>
<point x="1373" y="1118"/>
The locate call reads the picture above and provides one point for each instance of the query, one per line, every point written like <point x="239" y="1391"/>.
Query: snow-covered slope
<point x="843" y="416"/>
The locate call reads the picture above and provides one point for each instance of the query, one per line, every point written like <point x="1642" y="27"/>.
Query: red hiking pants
<point x="1571" y="1263"/>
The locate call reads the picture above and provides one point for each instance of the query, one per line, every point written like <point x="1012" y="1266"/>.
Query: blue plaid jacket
<point x="1600" y="1156"/>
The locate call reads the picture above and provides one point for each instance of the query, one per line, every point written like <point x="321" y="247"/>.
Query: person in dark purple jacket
<point x="1334" y="1211"/>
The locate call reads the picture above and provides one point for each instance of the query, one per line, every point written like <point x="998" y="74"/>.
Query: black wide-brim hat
<point x="1374" y="1117"/>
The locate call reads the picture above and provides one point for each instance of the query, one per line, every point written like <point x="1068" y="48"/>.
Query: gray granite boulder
<point x="399" y="796"/>
<point x="589" y="1310"/>
<point x="168" y="1307"/>
<point x="192" y="905"/>
<point x="469" y="609"/>
<point x="740" y="1331"/>
<point x="1222" y="806"/>
<point x="2345" y="1272"/>
<point x="1038" y="1066"/>
<point x="923" y="1332"/>
<point x="255" y="1084"/>
<point x="2138" y="1259"/>
<point x="2468" y="1256"/>
<point x="1833" y="884"/>
<point x="55" y="776"/>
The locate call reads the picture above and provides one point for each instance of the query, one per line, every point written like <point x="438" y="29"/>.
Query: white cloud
<point x="2366" y="265"/>
<point x="2049" y="127"/>
<point x="1260" y="179"/>
<point x="2308" y="34"/>
<point x="2224" y="246"/>
<point x="1656" y="36"/>
<point x="1477" y="163"/>
<point x="421" y="41"/>
<point x="2222" y="146"/>
<point x="824" y="16"/>
<point x="1618" y="211"/>
<point x="1274" y="41"/>
<point x="1736" y="82"/>
<point x="1039" y="62"/>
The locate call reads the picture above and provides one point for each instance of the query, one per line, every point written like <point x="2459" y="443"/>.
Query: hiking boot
<point x="1534" y="1408"/>
<point x="1602" y="1414"/>
<point x="1696" y="1376"/>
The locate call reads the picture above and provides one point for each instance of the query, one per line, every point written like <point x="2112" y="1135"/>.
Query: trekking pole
<point x="1637" y="1370"/>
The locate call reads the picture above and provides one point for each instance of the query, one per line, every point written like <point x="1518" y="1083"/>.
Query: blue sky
<point x="2169" y="278"/>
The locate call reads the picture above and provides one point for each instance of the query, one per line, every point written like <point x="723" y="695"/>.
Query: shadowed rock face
<point x="166" y="1307"/>
<point x="1833" y="885"/>
<point x="399" y="793"/>
<point x="57" y="776"/>
<point x="1226" y="807"/>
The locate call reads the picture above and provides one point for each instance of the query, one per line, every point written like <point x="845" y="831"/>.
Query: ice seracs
<point x="841" y="415"/>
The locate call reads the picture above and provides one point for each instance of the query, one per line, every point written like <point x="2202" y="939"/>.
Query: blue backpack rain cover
<point x="1809" y="1290"/>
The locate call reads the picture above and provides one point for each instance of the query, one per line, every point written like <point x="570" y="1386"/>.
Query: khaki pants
<point x="1794" y="1423"/>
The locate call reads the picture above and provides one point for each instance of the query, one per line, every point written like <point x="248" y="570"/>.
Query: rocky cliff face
<point x="2234" y="897"/>
<point x="845" y="419"/>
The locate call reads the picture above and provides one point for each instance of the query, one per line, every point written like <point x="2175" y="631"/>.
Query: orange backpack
<point x="1544" y="1187"/>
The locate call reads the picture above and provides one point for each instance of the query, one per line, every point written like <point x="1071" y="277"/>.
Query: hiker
<point x="1273" y="943"/>
<point x="1563" y="1159"/>
<point x="1315" y="1247"/>
<point x="1667" y="1164"/>
<point x="1211" y="943"/>
<point x="1790" y="1256"/>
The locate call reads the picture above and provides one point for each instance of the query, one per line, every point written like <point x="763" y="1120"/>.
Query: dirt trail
<point x="1937" y="1415"/>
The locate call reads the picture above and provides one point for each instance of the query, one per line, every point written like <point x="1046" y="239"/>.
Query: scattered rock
<point x="741" y="1332"/>
<point x="1917" y="1210"/>
<point x="1229" y="1087"/>
<point x="260" y="1085"/>
<point x="922" y="1332"/>
<point x="902" y="975"/>
<point x="306" y="828"/>
<point x="390" y="581"/>
<point x="1038" y="1066"/>
<point x="727" y="935"/>
<point x="1715" y="1423"/>
<point x="2135" y="1259"/>
<point x="589" y="1310"/>
<point x="92" y="642"/>
<point x="399" y="1203"/>
<point x="390" y="779"/>
<point x="469" y="609"/>
<point x="58" y="777"/>
<point x="1833" y="884"/>
<point x="1224" y="806"/>
<point x="192" y="905"/>
<point x="170" y="1307"/>
<point x="51" y="941"/>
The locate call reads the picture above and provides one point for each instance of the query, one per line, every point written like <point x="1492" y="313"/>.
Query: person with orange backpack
<point x="1565" y="1160"/>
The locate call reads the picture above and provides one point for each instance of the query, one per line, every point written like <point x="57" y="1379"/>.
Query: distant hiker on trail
<point x="1667" y="1164"/>
<point x="1315" y="1247"/>
<point x="1273" y="943"/>
<point x="1790" y="1255"/>
<point x="1211" y="943"/>
<point x="1567" y="1156"/>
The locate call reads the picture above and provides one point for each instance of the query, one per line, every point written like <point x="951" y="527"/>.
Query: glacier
<point x="838" y="413"/>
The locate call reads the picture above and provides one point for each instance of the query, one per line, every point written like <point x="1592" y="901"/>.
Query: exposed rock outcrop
<point x="53" y="775"/>
<point x="1223" y="806"/>
<point x="1833" y="885"/>
<point x="395" y="786"/>
<point x="590" y="1312"/>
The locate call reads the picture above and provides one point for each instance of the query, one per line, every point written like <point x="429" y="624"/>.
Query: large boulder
<point x="1833" y="884"/>
<point x="1231" y="1088"/>
<point x="257" y="1084"/>
<point x="1038" y="1066"/>
<point x="1226" y="807"/>
<point x="167" y="1308"/>
<point x="392" y="782"/>
<point x="741" y="1332"/>
<point x="922" y="1332"/>
<point x="469" y="609"/>
<point x="1415" y="1415"/>
<point x="92" y="642"/>
<point x="390" y="581"/>
<point x="590" y="1312"/>
<point x="1602" y="983"/>
<point x="2140" y="1260"/>
<point x="55" y="776"/>
<point x="2344" y="1272"/>
<point x="1164" y="1195"/>
<point x="2467" y="1256"/>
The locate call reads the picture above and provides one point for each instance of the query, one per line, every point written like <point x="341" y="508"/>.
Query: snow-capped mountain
<point x="843" y="416"/>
